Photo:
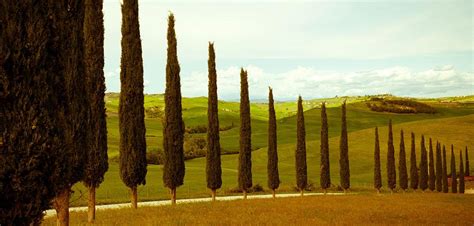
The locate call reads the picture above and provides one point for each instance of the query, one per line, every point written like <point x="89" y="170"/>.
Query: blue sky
<point x="313" y="48"/>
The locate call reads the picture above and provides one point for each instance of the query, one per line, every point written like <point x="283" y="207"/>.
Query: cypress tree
<point x="454" y="182"/>
<point x="413" y="165"/>
<point x="439" y="168"/>
<point x="325" y="177"/>
<point x="461" y="174"/>
<point x="402" y="164"/>
<point x="431" y="167"/>
<point x="300" y="154"/>
<point x="96" y="164"/>
<point x="423" y="166"/>
<point x="132" y="165"/>
<point x="213" y="157"/>
<point x="377" y="173"/>
<point x="344" y="153"/>
<point x="173" y="125"/>
<point x="445" y="172"/>
<point x="272" y="166"/>
<point x="391" y="170"/>
<point x="245" y="154"/>
<point x="468" y="173"/>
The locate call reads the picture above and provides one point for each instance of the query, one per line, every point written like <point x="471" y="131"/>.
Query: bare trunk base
<point x="325" y="191"/>
<point x="213" y="195"/>
<point x="91" y="205"/>
<point x="378" y="191"/>
<point x="134" y="197"/>
<point x="173" y="196"/>
<point x="302" y="192"/>
<point x="273" y="193"/>
<point x="61" y="204"/>
<point x="245" y="194"/>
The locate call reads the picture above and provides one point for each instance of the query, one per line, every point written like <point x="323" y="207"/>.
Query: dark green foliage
<point x="272" y="166"/>
<point x="431" y="169"/>
<point x="245" y="154"/>
<point x="391" y="170"/>
<point x="467" y="173"/>
<point x="325" y="176"/>
<point x="461" y="174"/>
<point x="413" y="165"/>
<point x="131" y="110"/>
<point x="173" y="125"/>
<point x="399" y="106"/>
<point x="454" y="182"/>
<point x="402" y="164"/>
<point x="439" y="168"/>
<point x="213" y="157"/>
<point x="300" y="153"/>
<point x="41" y="138"/>
<point x="377" y="170"/>
<point x="344" y="152"/>
<point x="423" y="166"/>
<point x="96" y="164"/>
<point x="445" y="172"/>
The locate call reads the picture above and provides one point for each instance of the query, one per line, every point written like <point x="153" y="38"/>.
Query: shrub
<point x="155" y="156"/>
<point x="194" y="147"/>
<point x="403" y="106"/>
<point x="154" y="112"/>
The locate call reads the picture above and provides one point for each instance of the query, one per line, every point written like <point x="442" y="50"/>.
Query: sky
<point x="311" y="48"/>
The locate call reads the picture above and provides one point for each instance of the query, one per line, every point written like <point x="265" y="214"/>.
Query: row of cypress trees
<point x="432" y="171"/>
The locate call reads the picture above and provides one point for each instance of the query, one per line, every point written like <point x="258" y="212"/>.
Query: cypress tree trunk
<point x="468" y="170"/>
<point x="445" y="172"/>
<point x="454" y="182"/>
<point x="391" y="170"/>
<point x="133" y="167"/>
<point x="377" y="171"/>
<point x="272" y="166"/>
<point x="213" y="157"/>
<point x="423" y="166"/>
<point x="245" y="154"/>
<point x="325" y="178"/>
<point x="96" y="164"/>
<point x="173" y="128"/>
<point x="402" y="164"/>
<point x="134" y="197"/>
<point x="61" y="204"/>
<point x="344" y="153"/>
<point x="300" y="153"/>
<point x="413" y="165"/>
<point x="461" y="174"/>
<point x="432" y="175"/>
<point x="439" y="168"/>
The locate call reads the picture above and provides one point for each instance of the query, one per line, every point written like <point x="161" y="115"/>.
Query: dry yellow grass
<point x="362" y="209"/>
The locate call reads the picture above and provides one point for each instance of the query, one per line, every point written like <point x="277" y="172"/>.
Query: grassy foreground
<point x="363" y="209"/>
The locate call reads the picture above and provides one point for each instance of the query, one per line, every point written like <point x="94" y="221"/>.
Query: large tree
<point x="402" y="164"/>
<point x="431" y="169"/>
<point x="344" y="171"/>
<point x="377" y="170"/>
<point x="461" y="174"/>
<point x="96" y="164"/>
<point x="439" y="168"/>
<point x="391" y="169"/>
<point x="213" y="157"/>
<point x="173" y="125"/>
<point x="272" y="165"/>
<point x="454" y="182"/>
<point x="245" y="154"/>
<point x="325" y="176"/>
<point x="423" y="166"/>
<point x="468" y="173"/>
<point x="300" y="153"/>
<point x="445" y="172"/>
<point x="132" y="129"/>
<point x="413" y="165"/>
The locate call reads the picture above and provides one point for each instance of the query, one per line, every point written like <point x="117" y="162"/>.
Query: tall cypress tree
<point x="402" y="164"/>
<point x="423" y="166"/>
<point x="445" y="172"/>
<point x="391" y="170"/>
<point x="245" y="154"/>
<point x="377" y="173"/>
<point x="344" y="152"/>
<point x="439" y="168"/>
<point x="300" y="153"/>
<point x="213" y="157"/>
<point x="431" y="169"/>
<point x="454" y="182"/>
<point x="413" y="165"/>
<point x="132" y="129"/>
<point x="467" y="173"/>
<point x="325" y="177"/>
<point x="461" y="174"/>
<point x="272" y="166"/>
<point x="96" y="164"/>
<point x="173" y="125"/>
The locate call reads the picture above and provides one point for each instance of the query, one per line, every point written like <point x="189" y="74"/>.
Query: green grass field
<point x="453" y="124"/>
